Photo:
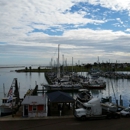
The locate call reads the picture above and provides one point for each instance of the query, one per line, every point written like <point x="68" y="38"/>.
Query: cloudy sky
<point x="30" y="31"/>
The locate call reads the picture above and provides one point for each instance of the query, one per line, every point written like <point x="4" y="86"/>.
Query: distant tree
<point x="30" y="67"/>
<point x="26" y="68"/>
<point x="95" y="64"/>
<point x="122" y="66"/>
<point x="88" y="66"/>
<point x="39" y="68"/>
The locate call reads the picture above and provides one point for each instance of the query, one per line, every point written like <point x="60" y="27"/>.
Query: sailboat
<point x="10" y="102"/>
<point x="64" y="82"/>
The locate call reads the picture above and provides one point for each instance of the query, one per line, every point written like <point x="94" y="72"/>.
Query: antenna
<point x="4" y="90"/>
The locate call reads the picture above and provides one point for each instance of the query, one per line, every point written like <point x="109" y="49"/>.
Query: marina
<point x="114" y="88"/>
<point x="65" y="65"/>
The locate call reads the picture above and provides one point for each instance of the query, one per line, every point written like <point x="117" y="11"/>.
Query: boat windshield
<point x="127" y="109"/>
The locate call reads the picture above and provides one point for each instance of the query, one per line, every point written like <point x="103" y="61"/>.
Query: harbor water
<point x="25" y="80"/>
<point x="116" y="88"/>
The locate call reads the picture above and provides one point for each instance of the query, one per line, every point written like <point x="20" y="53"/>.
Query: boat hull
<point x="94" y="86"/>
<point x="109" y="106"/>
<point x="5" y="111"/>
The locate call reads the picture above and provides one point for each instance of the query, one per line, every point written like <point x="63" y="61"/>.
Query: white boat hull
<point x="109" y="106"/>
<point x="4" y="110"/>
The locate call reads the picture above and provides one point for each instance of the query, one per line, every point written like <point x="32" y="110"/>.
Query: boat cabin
<point x="6" y="102"/>
<point x="65" y="78"/>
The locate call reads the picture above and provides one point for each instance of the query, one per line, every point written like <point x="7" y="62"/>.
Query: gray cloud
<point x="20" y="37"/>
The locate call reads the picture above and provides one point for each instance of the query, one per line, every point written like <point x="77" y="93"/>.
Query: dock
<point x="49" y="88"/>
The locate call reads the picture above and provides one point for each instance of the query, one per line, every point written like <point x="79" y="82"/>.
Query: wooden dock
<point x="61" y="88"/>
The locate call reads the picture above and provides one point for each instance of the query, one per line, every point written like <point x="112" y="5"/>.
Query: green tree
<point x="39" y="68"/>
<point x="30" y="67"/>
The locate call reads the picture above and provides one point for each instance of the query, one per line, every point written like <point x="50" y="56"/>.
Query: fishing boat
<point x="10" y="102"/>
<point x="7" y="108"/>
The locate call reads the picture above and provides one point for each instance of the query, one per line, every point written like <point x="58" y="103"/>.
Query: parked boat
<point x="109" y="106"/>
<point x="10" y="103"/>
<point x="63" y="86"/>
<point x="94" y="84"/>
<point x="83" y="96"/>
<point x="7" y="107"/>
<point x="65" y="78"/>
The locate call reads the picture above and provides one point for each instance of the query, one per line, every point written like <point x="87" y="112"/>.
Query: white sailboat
<point x="58" y="63"/>
<point x="64" y="82"/>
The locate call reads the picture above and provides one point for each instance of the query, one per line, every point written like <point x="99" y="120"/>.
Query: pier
<point x="62" y="88"/>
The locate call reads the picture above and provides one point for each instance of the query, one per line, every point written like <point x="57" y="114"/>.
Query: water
<point x="28" y="81"/>
<point x="25" y="80"/>
<point x="114" y="88"/>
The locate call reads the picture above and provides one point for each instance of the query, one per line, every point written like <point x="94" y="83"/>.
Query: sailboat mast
<point x="72" y="64"/>
<point x="63" y="63"/>
<point x="58" y="73"/>
<point x="4" y="90"/>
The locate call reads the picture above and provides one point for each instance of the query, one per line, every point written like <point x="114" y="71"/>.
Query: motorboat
<point x="94" y="84"/>
<point x="109" y="106"/>
<point x="83" y="96"/>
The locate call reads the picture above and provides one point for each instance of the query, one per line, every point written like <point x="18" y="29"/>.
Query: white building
<point x="35" y="106"/>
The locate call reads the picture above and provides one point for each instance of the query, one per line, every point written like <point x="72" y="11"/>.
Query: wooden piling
<point x="121" y="101"/>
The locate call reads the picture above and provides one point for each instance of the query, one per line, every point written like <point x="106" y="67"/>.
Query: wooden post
<point x="121" y="101"/>
<point x="117" y="102"/>
<point x="110" y="99"/>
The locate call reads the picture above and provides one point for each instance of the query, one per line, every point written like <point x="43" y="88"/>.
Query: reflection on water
<point x="114" y="88"/>
<point x="117" y="88"/>
<point x="29" y="80"/>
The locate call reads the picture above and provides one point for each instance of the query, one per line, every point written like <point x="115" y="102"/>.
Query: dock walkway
<point x="15" y="118"/>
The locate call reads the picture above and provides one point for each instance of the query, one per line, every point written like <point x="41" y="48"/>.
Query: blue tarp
<point x="60" y="97"/>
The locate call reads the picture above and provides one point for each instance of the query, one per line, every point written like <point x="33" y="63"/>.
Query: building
<point x="35" y="106"/>
<point x="60" y="104"/>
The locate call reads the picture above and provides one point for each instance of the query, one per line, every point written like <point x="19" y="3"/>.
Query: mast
<point x="4" y="90"/>
<point x="63" y="63"/>
<point x="58" y="66"/>
<point x="72" y="64"/>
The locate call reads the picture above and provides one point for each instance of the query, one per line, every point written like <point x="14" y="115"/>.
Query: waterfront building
<point x="34" y="106"/>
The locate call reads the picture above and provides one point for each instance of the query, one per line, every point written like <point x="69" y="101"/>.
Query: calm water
<point x="25" y="80"/>
<point x="117" y="86"/>
<point x="28" y="81"/>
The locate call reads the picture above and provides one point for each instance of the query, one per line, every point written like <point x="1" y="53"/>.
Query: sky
<point x="86" y="31"/>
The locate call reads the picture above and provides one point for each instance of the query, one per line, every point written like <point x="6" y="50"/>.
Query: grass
<point x="70" y="69"/>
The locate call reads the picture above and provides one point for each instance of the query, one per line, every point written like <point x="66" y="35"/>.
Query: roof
<point x="34" y="100"/>
<point x="60" y="97"/>
<point x="6" y="98"/>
